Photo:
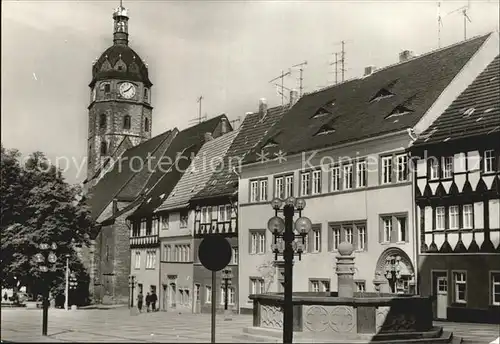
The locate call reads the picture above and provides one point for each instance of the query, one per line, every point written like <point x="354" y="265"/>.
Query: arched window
<point x="146" y="124"/>
<point x="126" y="122"/>
<point x="102" y="121"/>
<point x="104" y="148"/>
<point x="146" y="95"/>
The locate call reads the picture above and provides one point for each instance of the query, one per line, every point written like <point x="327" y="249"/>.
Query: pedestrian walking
<point x="140" y="299"/>
<point x="148" y="302"/>
<point x="154" y="298"/>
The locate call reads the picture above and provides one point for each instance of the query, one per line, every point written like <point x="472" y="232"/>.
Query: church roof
<point x="122" y="172"/>
<point x="475" y="112"/>
<point x="389" y="100"/>
<point x="251" y="131"/>
<point x="185" y="145"/>
<point x="120" y="62"/>
<point x="204" y="164"/>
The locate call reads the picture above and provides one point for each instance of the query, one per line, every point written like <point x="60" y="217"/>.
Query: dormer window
<point x="126" y="122"/>
<point x="382" y="94"/>
<point x="321" y="113"/>
<point x="399" y="110"/>
<point x="146" y="124"/>
<point x="325" y="129"/>
<point x="102" y="121"/>
<point x="104" y="148"/>
<point x="270" y="143"/>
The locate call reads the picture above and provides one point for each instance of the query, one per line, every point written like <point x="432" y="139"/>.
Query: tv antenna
<point x="464" y="10"/>
<point x="301" y="71"/>
<point x="341" y="61"/>
<point x="200" y="118"/>
<point x="336" y="67"/>
<point x="282" y="86"/>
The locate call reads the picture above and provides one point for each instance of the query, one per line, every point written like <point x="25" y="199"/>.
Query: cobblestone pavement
<point x="117" y="325"/>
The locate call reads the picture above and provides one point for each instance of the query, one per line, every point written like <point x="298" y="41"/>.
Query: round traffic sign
<point x="214" y="252"/>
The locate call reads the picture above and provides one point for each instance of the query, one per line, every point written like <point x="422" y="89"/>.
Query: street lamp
<point x="73" y="283"/>
<point x="44" y="258"/>
<point x="66" y="289"/>
<point x="393" y="267"/>
<point x="132" y="283"/>
<point x="284" y="233"/>
<point x="227" y="276"/>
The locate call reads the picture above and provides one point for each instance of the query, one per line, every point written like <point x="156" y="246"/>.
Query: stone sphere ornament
<point x="345" y="248"/>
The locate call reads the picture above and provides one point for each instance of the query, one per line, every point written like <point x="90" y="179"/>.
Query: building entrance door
<point x="173" y="294"/>
<point x="164" y="299"/>
<point x="441" y="293"/>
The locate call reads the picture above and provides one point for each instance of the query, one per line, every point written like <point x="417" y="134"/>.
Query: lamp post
<point x="131" y="283"/>
<point x="44" y="258"/>
<point x="227" y="276"/>
<point x="393" y="271"/>
<point x="66" y="289"/>
<point x="73" y="283"/>
<point x="284" y="233"/>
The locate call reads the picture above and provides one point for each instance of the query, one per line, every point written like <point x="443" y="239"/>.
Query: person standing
<point x="154" y="298"/>
<point x="148" y="302"/>
<point x="140" y="299"/>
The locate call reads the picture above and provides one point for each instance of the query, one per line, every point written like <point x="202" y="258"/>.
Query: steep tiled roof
<point x="122" y="172"/>
<point x="199" y="172"/>
<point x="185" y="145"/>
<point x="475" y="112"/>
<point x="253" y="128"/>
<point x="391" y="99"/>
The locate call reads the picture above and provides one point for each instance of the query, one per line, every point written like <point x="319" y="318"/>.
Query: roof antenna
<point x="282" y="86"/>
<point x="440" y="24"/>
<point x="464" y="10"/>
<point x="301" y="70"/>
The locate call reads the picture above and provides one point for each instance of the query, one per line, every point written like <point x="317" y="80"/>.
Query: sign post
<point x="214" y="254"/>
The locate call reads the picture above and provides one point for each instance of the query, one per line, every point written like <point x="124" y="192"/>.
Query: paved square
<point x="117" y="325"/>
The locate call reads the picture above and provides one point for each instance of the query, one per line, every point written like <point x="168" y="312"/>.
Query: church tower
<point x="120" y="111"/>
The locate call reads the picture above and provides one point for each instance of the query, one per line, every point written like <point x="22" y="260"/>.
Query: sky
<point x="226" y="51"/>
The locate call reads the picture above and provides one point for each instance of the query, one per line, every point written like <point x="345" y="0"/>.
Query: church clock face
<point x="127" y="90"/>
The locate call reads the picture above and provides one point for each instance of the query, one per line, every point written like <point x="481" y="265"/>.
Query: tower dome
<point x="120" y="61"/>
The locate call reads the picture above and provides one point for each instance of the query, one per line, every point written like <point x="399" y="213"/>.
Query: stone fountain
<point x="347" y="316"/>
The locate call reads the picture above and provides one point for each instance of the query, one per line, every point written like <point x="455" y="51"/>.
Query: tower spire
<point x="120" y="17"/>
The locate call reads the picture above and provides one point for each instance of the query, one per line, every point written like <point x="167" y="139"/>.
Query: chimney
<point x="405" y="55"/>
<point x="208" y="137"/>
<point x="294" y="96"/>
<point x="224" y="126"/>
<point x="263" y="107"/>
<point x="369" y="70"/>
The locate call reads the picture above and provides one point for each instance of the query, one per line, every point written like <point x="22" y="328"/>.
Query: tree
<point x="38" y="206"/>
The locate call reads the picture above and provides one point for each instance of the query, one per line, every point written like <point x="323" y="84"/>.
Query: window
<point x="155" y="225"/>
<point x="454" y="216"/>
<point x="495" y="288"/>
<point x="143" y="227"/>
<point x="335" y="174"/>
<point x="440" y="218"/>
<point x="146" y="94"/>
<point x="258" y="190"/>
<point x="288" y="186"/>
<point x="316" y="182"/>
<point x="386" y="169"/>
<point x="304" y="183"/>
<point x="126" y="122"/>
<point x="137" y="259"/>
<point x="348" y="232"/>
<point x="104" y="148"/>
<point x="164" y="222"/>
<point x="387" y="224"/>
<point x="489" y="161"/>
<point x="167" y="249"/>
<point x="447" y="166"/>
<point x="230" y="296"/>
<point x="315" y="286"/>
<point x="316" y="239"/>
<point x="361" y="174"/>
<point x="146" y="124"/>
<point x="401" y="228"/>
<point x="460" y="287"/>
<point x="361" y="238"/>
<point x="102" y="121"/>
<point x="184" y="219"/>
<point x="257" y="286"/>
<point x="360" y="286"/>
<point x="257" y="242"/>
<point x="222" y="214"/>
<point x="150" y="259"/>
<point x="335" y="238"/>
<point x="467" y="216"/>
<point x="107" y="88"/>
<point x="229" y="211"/>
<point x="278" y="187"/>
<point x="196" y="292"/>
<point x="325" y="286"/>
<point x="402" y="168"/>
<point x="434" y="169"/>
<point x="234" y="257"/>
<point x="347" y="176"/>
<point x="208" y="294"/>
